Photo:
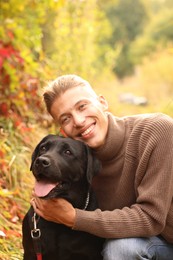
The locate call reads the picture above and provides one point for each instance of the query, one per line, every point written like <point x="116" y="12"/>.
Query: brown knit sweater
<point x="135" y="186"/>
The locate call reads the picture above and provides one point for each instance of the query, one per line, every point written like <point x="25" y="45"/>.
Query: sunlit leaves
<point x="158" y="35"/>
<point x="73" y="35"/>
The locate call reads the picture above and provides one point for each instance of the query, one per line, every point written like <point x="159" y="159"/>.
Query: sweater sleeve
<point x="148" y="216"/>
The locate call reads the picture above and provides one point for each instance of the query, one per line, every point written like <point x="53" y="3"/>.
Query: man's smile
<point x="88" y="130"/>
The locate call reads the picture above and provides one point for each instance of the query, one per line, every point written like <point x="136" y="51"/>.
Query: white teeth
<point x="88" y="130"/>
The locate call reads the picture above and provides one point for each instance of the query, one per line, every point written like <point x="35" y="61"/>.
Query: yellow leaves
<point x="2" y="234"/>
<point x="10" y="244"/>
<point x="4" y="193"/>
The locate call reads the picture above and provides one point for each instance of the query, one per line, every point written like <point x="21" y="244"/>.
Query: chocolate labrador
<point x="64" y="168"/>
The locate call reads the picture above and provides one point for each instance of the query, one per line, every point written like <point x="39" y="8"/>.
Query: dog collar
<point x="87" y="201"/>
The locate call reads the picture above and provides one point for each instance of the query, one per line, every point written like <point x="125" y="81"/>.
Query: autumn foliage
<point x="19" y="102"/>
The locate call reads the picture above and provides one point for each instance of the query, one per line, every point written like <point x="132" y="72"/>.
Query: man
<point x="135" y="185"/>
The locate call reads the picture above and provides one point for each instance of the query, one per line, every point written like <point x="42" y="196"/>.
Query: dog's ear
<point x="93" y="165"/>
<point x="36" y="150"/>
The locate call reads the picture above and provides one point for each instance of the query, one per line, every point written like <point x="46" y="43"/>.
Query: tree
<point x="73" y="38"/>
<point x="158" y="34"/>
<point x="127" y="18"/>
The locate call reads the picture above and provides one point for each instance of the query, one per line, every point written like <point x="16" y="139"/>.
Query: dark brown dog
<point x="62" y="168"/>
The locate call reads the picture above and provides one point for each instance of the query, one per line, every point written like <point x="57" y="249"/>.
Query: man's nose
<point x="78" y="120"/>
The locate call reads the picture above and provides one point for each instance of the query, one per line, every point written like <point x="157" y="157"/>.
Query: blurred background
<point x="124" y="48"/>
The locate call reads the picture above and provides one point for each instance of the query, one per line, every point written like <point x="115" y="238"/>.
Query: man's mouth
<point x="88" y="130"/>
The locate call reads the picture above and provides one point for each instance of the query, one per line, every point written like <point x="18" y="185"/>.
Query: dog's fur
<point x="72" y="166"/>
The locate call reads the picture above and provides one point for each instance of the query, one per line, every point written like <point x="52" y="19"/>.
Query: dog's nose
<point x="43" y="161"/>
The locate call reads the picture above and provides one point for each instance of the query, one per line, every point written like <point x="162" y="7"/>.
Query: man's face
<point x="81" y="115"/>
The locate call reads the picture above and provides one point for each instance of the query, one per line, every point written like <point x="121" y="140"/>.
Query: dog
<point x="64" y="168"/>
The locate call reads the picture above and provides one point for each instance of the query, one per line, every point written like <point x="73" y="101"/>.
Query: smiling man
<point x="134" y="187"/>
<point x="80" y="112"/>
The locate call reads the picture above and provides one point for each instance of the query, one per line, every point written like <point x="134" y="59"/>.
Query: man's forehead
<point x="73" y="96"/>
<point x="85" y="90"/>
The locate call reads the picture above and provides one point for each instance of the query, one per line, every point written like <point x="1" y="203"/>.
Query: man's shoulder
<point x="149" y="117"/>
<point x="151" y="122"/>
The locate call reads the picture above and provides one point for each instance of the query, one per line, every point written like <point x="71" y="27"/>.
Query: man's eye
<point x="82" y="106"/>
<point x="65" y="120"/>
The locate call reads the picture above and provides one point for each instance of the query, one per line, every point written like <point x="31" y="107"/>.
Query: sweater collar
<point x="114" y="139"/>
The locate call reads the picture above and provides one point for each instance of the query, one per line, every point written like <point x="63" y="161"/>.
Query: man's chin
<point x="87" y="142"/>
<point x="92" y="143"/>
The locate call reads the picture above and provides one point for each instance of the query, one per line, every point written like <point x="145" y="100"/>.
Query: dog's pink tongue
<point x="43" y="188"/>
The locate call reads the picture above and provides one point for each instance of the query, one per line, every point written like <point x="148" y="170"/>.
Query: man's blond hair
<point x="58" y="86"/>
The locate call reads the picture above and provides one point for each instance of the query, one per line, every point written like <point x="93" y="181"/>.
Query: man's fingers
<point x="35" y="207"/>
<point x="33" y="203"/>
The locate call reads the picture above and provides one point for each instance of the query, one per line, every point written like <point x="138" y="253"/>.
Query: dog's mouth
<point x="43" y="188"/>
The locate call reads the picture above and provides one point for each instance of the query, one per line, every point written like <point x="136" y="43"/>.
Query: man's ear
<point x="103" y="102"/>
<point x="62" y="133"/>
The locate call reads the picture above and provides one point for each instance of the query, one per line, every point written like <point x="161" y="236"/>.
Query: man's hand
<point x="56" y="210"/>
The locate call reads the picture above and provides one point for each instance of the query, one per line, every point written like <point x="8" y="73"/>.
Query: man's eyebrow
<point x="79" y="101"/>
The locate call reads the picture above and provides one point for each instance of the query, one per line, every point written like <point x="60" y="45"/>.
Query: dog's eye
<point x="68" y="152"/>
<point x="43" y="148"/>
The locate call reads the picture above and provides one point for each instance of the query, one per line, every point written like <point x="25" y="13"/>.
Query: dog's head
<point x="64" y="168"/>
